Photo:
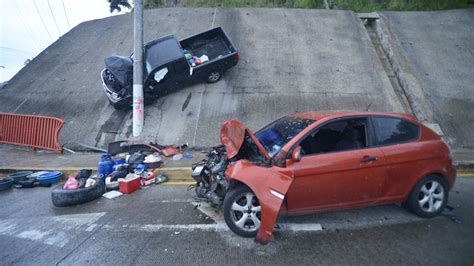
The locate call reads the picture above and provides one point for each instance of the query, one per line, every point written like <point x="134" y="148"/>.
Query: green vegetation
<point x="235" y="3"/>
<point x="355" y="5"/>
<point x="399" y="5"/>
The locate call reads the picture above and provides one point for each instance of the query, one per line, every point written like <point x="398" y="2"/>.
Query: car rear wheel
<point x="429" y="197"/>
<point x="242" y="211"/>
<point x="214" y="76"/>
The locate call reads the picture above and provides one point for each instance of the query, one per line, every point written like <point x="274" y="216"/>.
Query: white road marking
<point x="55" y="231"/>
<point x="219" y="220"/>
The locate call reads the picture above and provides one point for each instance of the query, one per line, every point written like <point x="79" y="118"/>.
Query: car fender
<point x="270" y="185"/>
<point x="449" y="173"/>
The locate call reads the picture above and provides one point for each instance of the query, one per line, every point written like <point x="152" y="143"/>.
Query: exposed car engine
<point x="212" y="184"/>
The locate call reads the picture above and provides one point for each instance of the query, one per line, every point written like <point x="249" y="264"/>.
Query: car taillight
<point x="237" y="57"/>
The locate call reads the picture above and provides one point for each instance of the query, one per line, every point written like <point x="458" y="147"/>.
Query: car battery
<point x="147" y="178"/>
<point x="129" y="185"/>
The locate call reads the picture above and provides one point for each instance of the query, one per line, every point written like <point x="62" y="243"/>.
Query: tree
<point x="118" y="5"/>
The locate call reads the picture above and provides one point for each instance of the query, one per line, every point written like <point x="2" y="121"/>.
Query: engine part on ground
<point x="64" y="198"/>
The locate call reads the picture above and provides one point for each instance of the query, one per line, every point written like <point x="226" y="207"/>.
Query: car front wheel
<point x="429" y="197"/>
<point x="242" y="211"/>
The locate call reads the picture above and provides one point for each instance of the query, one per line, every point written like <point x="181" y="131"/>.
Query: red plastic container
<point x="127" y="186"/>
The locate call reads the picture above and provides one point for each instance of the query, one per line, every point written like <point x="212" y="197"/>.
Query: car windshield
<point x="275" y="135"/>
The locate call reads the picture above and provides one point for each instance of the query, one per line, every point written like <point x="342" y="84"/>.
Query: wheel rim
<point x="214" y="76"/>
<point x="246" y="212"/>
<point x="431" y="196"/>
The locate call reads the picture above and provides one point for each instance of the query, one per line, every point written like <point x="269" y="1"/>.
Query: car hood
<point x="233" y="135"/>
<point x="121" y="67"/>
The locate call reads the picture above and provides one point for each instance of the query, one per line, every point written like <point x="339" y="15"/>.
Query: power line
<point x="27" y="26"/>
<point x="54" y="18"/>
<point x="18" y="50"/>
<point x="65" y="13"/>
<point x="44" y="24"/>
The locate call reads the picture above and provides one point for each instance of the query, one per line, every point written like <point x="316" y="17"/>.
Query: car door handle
<point x="368" y="159"/>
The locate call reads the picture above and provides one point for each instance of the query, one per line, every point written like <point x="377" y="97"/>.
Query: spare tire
<point x="63" y="198"/>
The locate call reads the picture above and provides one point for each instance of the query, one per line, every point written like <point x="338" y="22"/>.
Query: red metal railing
<point x="31" y="130"/>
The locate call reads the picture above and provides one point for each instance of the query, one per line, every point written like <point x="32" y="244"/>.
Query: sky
<point x="27" y="27"/>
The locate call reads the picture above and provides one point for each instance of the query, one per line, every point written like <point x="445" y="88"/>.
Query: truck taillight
<point x="237" y="57"/>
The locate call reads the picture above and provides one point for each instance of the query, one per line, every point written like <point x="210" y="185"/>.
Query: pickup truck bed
<point x="213" y="43"/>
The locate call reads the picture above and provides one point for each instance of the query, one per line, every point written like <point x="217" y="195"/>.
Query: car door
<point x="338" y="169"/>
<point x="398" y="140"/>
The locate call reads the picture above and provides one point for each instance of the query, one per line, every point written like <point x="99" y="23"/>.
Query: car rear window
<point x="391" y="130"/>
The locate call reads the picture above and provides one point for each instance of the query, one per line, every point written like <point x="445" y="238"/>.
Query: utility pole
<point x="138" y="107"/>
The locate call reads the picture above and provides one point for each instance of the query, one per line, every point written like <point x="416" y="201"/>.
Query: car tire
<point x="234" y="215"/>
<point x="429" y="197"/>
<point x="63" y="197"/>
<point x="214" y="76"/>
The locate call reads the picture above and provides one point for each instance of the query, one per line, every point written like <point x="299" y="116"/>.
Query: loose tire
<point x="429" y="197"/>
<point x="63" y="198"/>
<point x="242" y="211"/>
<point x="214" y="77"/>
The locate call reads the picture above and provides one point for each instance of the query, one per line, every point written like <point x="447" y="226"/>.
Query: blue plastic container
<point x="105" y="166"/>
<point x="49" y="178"/>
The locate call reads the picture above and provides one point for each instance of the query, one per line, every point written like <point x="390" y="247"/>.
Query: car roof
<point x="342" y="113"/>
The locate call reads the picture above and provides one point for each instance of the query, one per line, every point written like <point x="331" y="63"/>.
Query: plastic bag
<point x="71" y="183"/>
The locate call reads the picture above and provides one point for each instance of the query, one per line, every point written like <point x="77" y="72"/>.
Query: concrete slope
<point x="291" y="60"/>
<point x="439" y="46"/>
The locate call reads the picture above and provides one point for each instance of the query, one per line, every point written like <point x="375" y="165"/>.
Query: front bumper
<point x="113" y="96"/>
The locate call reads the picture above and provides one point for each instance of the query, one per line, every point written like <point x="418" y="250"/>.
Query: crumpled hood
<point x="121" y="67"/>
<point x="233" y="136"/>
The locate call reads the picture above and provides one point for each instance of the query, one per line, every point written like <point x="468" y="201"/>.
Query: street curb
<point x="173" y="173"/>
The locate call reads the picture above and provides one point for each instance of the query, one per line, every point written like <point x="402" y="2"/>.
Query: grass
<point x="236" y="3"/>
<point x="399" y="5"/>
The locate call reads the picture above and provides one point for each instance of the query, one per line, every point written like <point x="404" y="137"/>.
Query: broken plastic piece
<point x="112" y="194"/>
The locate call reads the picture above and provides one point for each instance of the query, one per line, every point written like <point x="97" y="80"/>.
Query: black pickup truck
<point x="169" y="65"/>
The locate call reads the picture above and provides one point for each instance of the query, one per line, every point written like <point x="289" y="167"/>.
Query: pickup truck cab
<point x="169" y="65"/>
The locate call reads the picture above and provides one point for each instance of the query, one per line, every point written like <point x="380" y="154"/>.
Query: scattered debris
<point x="112" y="194"/>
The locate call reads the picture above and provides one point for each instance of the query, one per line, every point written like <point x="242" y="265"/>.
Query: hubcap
<point x="246" y="212"/>
<point x="214" y="76"/>
<point x="431" y="196"/>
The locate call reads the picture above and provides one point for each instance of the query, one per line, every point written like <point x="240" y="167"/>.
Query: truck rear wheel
<point x="214" y="77"/>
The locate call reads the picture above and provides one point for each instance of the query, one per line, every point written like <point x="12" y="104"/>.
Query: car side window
<point x="391" y="130"/>
<point x="341" y="135"/>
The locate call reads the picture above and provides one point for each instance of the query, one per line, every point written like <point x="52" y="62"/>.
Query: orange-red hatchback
<point x="322" y="161"/>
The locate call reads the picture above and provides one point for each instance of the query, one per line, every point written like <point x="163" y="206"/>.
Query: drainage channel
<point x="389" y="71"/>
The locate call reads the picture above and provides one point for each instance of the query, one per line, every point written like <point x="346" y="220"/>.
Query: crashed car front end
<point x="116" y="78"/>
<point x="242" y="160"/>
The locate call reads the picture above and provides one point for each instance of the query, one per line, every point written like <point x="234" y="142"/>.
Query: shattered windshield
<point x="275" y="135"/>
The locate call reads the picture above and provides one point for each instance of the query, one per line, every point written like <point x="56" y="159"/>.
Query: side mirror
<point x="296" y="155"/>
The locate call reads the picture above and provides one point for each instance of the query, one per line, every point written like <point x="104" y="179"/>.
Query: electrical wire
<point x="54" y="18"/>
<point x="41" y="17"/>
<point x="27" y="26"/>
<point x="65" y="13"/>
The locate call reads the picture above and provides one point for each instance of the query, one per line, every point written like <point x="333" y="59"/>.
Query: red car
<point x="323" y="161"/>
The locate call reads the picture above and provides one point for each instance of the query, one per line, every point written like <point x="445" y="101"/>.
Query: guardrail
<point x="31" y="130"/>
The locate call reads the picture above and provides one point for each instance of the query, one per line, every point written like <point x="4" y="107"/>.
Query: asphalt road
<point x="160" y="225"/>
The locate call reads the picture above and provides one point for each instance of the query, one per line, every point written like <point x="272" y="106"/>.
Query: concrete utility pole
<point x="138" y="108"/>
